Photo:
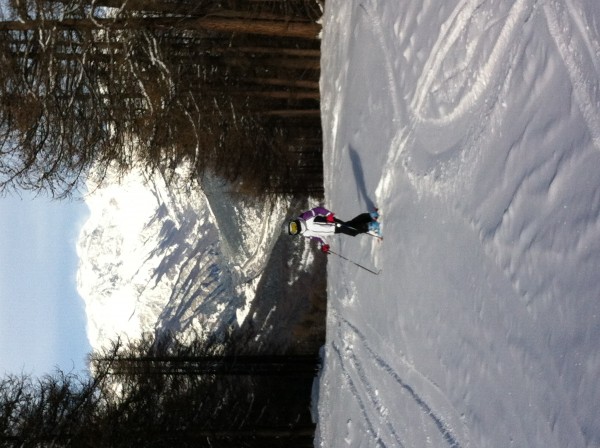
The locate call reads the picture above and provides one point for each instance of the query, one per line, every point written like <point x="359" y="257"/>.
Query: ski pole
<point x="355" y="263"/>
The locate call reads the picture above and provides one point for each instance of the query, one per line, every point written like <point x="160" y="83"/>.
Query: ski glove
<point x="325" y="248"/>
<point x="329" y="217"/>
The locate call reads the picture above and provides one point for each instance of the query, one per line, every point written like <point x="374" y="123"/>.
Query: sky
<point x="42" y="318"/>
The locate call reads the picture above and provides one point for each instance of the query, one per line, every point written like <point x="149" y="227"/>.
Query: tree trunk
<point x="306" y="30"/>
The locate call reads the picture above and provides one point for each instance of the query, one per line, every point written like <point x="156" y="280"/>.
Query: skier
<point x="318" y="223"/>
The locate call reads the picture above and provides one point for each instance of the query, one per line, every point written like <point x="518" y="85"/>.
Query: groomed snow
<point x="475" y="126"/>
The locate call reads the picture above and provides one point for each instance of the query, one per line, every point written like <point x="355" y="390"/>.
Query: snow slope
<point x="475" y="126"/>
<point x="155" y="258"/>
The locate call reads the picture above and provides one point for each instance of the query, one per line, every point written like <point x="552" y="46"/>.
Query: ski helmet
<point x="294" y="227"/>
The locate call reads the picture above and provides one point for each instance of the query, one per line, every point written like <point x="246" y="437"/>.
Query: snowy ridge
<point x="155" y="259"/>
<point x="474" y="126"/>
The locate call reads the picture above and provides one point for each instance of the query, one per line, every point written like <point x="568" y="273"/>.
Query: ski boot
<point x="375" y="229"/>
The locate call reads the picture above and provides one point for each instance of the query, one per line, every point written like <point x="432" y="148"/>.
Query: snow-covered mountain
<point x="154" y="258"/>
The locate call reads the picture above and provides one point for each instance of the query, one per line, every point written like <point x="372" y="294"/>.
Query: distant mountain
<point x="157" y="259"/>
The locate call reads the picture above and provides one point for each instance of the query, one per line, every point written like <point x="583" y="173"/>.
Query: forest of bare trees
<point x="226" y="86"/>
<point x="165" y="394"/>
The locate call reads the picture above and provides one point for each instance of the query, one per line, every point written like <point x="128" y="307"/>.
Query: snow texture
<point x="475" y="126"/>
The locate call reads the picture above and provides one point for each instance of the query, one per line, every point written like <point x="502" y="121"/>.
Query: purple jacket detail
<point x="313" y="231"/>
<point x="314" y="212"/>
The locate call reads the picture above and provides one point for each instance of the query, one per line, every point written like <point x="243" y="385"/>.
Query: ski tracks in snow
<point x="404" y="387"/>
<point x="468" y="65"/>
<point x="453" y="82"/>
<point x="377" y="28"/>
<point x="581" y="55"/>
<point x="469" y="18"/>
<point x="463" y="72"/>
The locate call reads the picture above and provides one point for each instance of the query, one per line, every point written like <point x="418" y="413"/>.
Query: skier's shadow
<point x="359" y="176"/>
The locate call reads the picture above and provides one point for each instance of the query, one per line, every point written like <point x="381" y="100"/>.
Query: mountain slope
<point x="155" y="258"/>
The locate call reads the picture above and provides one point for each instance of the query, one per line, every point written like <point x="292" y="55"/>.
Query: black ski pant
<point x="358" y="224"/>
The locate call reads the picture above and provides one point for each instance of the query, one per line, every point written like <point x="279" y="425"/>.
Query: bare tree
<point x="219" y="85"/>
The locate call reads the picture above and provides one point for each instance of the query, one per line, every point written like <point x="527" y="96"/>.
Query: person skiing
<point x="318" y="223"/>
